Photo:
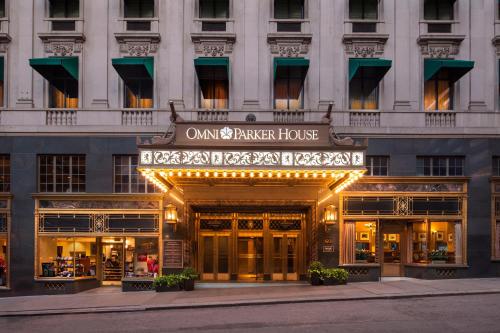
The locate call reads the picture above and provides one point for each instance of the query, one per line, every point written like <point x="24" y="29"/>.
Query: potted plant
<point x="169" y="282"/>
<point x="438" y="256"/>
<point x="362" y="255"/>
<point x="188" y="277"/>
<point x="316" y="273"/>
<point x="335" y="276"/>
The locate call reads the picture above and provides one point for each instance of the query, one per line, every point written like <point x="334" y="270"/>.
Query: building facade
<point x="247" y="139"/>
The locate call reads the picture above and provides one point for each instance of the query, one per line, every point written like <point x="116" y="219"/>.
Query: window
<point x="2" y="89"/>
<point x="288" y="88"/>
<point x="363" y="92"/>
<point x="139" y="9"/>
<point x="64" y="9"/>
<point x="126" y="177"/>
<point x="438" y="93"/>
<point x="4" y="173"/>
<point x="496" y="166"/>
<point x="363" y="9"/>
<point x="2" y="8"/>
<point x="214" y="8"/>
<point x="377" y="165"/>
<point x="214" y="88"/>
<point x="138" y="93"/>
<point x="61" y="173"/>
<point x="366" y="242"/>
<point x="440" y="166"/>
<point x="437" y="242"/>
<point x="438" y="9"/>
<point x="63" y="93"/>
<point x="289" y="9"/>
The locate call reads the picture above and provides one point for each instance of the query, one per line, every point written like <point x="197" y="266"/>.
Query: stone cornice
<point x="440" y="45"/>
<point x="365" y="45"/>
<point x="62" y="43"/>
<point x="138" y="43"/>
<point x="287" y="44"/>
<point x="213" y="44"/>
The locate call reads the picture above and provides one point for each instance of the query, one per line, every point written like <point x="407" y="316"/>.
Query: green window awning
<point x="216" y="68"/>
<point x="56" y="68"/>
<point x="372" y="68"/>
<point x="281" y="64"/>
<point x="134" y="68"/>
<point x="452" y="70"/>
<point x="2" y="64"/>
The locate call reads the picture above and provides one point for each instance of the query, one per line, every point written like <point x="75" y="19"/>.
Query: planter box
<point x="188" y="285"/>
<point x="316" y="280"/>
<point x="161" y="289"/>
<point x="332" y="282"/>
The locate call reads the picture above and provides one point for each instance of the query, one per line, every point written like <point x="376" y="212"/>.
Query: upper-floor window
<point x="289" y="9"/>
<point x="363" y="10"/>
<point x="61" y="173"/>
<point x="440" y="165"/>
<point x="438" y="93"/>
<point x="139" y="9"/>
<point x="63" y="93"/>
<point x="213" y="78"/>
<point x="496" y="166"/>
<point x="288" y="92"/>
<point x="138" y="93"/>
<point x="438" y="10"/>
<point x="214" y="9"/>
<point x="126" y="177"/>
<point x="363" y="92"/>
<point x="4" y="173"/>
<point x="377" y="165"/>
<point x="2" y="75"/>
<point x="62" y="9"/>
<point x="2" y="8"/>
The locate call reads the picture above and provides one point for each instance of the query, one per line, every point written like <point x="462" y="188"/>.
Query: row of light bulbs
<point x="352" y="178"/>
<point x="252" y="174"/>
<point x="150" y="176"/>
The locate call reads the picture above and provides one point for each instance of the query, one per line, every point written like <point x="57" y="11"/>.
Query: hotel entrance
<point x="393" y="248"/>
<point x="251" y="246"/>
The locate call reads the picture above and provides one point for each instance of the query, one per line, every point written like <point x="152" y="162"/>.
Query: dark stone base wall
<point x="435" y="273"/>
<point x="65" y="287"/>
<point x="99" y="153"/>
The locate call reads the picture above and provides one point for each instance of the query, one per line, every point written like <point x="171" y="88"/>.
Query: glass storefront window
<point x="437" y="243"/>
<point x="67" y="257"/>
<point x="141" y="257"/>
<point x="366" y="242"/>
<point x="3" y="261"/>
<point x="419" y="241"/>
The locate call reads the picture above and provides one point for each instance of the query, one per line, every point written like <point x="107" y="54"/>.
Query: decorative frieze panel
<point x="65" y="45"/>
<point x="365" y="45"/>
<point x="213" y="45"/>
<point x="258" y="159"/>
<point x="405" y="187"/>
<point x="98" y="204"/>
<point x="295" y="45"/>
<point x="440" y="47"/>
<point x="138" y="45"/>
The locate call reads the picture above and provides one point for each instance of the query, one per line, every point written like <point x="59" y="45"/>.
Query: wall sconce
<point x="331" y="214"/>
<point x="171" y="214"/>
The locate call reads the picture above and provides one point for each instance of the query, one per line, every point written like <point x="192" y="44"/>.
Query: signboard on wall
<point x="328" y="249"/>
<point x="173" y="251"/>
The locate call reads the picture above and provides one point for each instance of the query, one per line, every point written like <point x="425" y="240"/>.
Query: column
<point x="251" y="49"/>
<point x="477" y="45"/>
<point x="327" y="53"/>
<point x="402" y="54"/>
<point x="173" y="41"/>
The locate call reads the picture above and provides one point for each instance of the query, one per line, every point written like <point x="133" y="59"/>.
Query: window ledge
<point x="289" y="20"/>
<point x="210" y="19"/>
<point x="62" y="279"/>
<point x="439" y="21"/>
<point x="360" y="265"/>
<point x="457" y="266"/>
<point x="363" y="21"/>
<point x="142" y="19"/>
<point x="55" y="19"/>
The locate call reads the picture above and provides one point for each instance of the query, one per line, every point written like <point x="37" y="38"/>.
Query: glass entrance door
<point x="250" y="257"/>
<point x="285" y="257"/>
<point x="112" y="260"/>
<point x="392" y="258"/>
<point x="215" y="257"/>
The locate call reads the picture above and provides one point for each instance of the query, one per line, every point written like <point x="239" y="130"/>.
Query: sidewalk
<point x="111" y="299"/>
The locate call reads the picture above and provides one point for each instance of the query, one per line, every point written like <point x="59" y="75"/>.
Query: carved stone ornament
<point x="289" y="45"/>
<point x="440" y="46"/>
<point x="365" y="45"/>
<point x="138" y="45"/>
<point x="62" y="45"/>
<point x="213" y="44"/>
<point x="4" y="42"/>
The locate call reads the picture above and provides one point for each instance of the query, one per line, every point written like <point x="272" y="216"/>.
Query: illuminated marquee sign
<point x="251" y="134"/>
<point x="183" y="158"/>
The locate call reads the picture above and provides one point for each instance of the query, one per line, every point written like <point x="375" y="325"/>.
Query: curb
<point x="136" y="308"/>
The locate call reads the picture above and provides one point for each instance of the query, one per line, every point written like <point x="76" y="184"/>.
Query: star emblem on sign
<point x="226" y="133"/>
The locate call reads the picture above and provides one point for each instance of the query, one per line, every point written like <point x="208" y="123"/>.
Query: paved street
<point x="473" y="313"/>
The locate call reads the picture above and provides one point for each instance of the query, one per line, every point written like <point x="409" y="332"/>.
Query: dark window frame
<point x="58" y="173"/>
<point x="66" y="8"/>
<point x="142" y="4"/>
<point x="436" y="15"/>
<point x="214" y="9"/>
<point x="3" y="9"/>
<point x="440" y="166"/>
<point x="132" y="181"/>
<point x="376" y="164"/>
<point x="363" y="10"/>
<point x="302" y="14"/>
<point x="289" y="90"/>
<point x="5" y="173"/>
<point x="496" y="166"/>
